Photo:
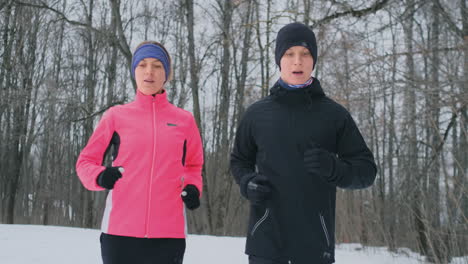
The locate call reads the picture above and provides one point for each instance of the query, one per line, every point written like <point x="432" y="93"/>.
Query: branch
<point x="438" y="148"/>
<point x="2" y="5"/>
<point x="420" y="51"/>
<point x="379" y="58"/>
<point x="119" y="42"/>
<point x="60" y="14"/>
<point x="447" y="19"/>
<point x="98" y="112"/>
<point x="355" y="13"/>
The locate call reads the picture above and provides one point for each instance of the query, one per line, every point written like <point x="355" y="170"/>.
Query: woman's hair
<point x="169" y="78"/>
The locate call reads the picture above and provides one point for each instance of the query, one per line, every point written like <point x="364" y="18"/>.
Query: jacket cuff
<point x="328" y="163"/>
<point x="244" y="181"/>
<point x="193" y="188"/>
<point x="197" y="182"/>
<point x="90" y="182"/>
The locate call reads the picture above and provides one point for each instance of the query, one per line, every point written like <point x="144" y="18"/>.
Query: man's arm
<point x="355" y="166"/>
<point x="243" y="156"/>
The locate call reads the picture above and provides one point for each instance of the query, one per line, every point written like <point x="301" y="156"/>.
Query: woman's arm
<point x="194" y="156"/>
<point x="89" y="163"/>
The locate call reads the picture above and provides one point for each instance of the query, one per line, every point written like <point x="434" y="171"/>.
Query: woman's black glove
<point x="191" y="196"/>
<point x="108" y="177"/>
<point x="256" y="188"/>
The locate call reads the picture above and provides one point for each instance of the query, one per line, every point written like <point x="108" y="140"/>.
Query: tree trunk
<point x="307" y="11"/>
<point x="264" y="49"/>
<point x="112" y="65"/>
<point x="461" y="178"/>
<point x="90" y="86"/>
<point x="222" y="150"/>
<point x="5" y="110"/>
<point x="235" y="202"/>
<point x="463" y="172"/>
<point x="239" y="105"/>
<point x="26" y="35"/>
<point x="120" y="39"/>
<point x="433" y="200"/>
<point x="390" y="154"/>
<point x="194" y="85"/>
<point x="412" y="173"/>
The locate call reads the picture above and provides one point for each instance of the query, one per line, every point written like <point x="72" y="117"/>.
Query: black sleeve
<point x="243" y="156"/>
<point x="355" y="167"/>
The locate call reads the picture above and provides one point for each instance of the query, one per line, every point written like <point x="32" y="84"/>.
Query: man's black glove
<point x="256" y="188"/>
<point x="318" y="161"/>
<point x="109" y="176"/>
<point x="191" y="196"/>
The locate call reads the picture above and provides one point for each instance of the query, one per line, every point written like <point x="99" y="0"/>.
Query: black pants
<point x="132" y="250"/>
<point x="260" y="260"/>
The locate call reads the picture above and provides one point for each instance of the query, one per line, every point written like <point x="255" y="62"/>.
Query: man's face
<point x="296" y="65"/>
<point x="150" y="76"/>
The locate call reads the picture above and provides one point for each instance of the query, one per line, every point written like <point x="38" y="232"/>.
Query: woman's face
<point x="150" y="76"/>
<point x="296" y="65"/>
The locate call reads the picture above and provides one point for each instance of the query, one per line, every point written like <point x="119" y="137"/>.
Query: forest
<point x="399" y="66"/>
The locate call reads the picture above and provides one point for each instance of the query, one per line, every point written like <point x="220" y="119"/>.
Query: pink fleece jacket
<point x="160" y="149"/>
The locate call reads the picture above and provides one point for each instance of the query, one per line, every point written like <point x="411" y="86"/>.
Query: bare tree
<point x="21" y="93"/>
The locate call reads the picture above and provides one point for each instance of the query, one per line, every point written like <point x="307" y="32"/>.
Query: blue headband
<point x="150" y="51"/>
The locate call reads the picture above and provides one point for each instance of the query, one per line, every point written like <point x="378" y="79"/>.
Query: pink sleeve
<point x="89" y="163"/>
<point x="194" y="156"/>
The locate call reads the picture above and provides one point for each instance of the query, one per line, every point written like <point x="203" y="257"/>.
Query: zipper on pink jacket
<point x="153" y="106"/>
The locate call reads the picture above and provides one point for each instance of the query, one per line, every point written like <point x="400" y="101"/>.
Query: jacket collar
<point x="146" y="100"/>
<point x="297" y="96"/>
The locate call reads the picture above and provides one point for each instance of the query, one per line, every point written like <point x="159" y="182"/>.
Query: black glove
<point x="108" y="177"/>
<point x="191" y="196"/>
<point x="318" y="161"/>
<point x="257" y="188"/>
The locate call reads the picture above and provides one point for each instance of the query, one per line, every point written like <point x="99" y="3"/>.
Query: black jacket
<point x="298" y="222"/>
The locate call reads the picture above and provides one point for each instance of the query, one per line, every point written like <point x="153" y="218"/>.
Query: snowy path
<point x="23" y="244"/>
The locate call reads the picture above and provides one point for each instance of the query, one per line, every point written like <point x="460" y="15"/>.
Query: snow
<point x="21" y="244"/>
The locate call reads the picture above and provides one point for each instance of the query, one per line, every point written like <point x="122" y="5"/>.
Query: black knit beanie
<point x="295" y="34"/>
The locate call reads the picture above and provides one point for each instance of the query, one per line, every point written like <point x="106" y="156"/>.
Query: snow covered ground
<point x="31" y="244"/>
